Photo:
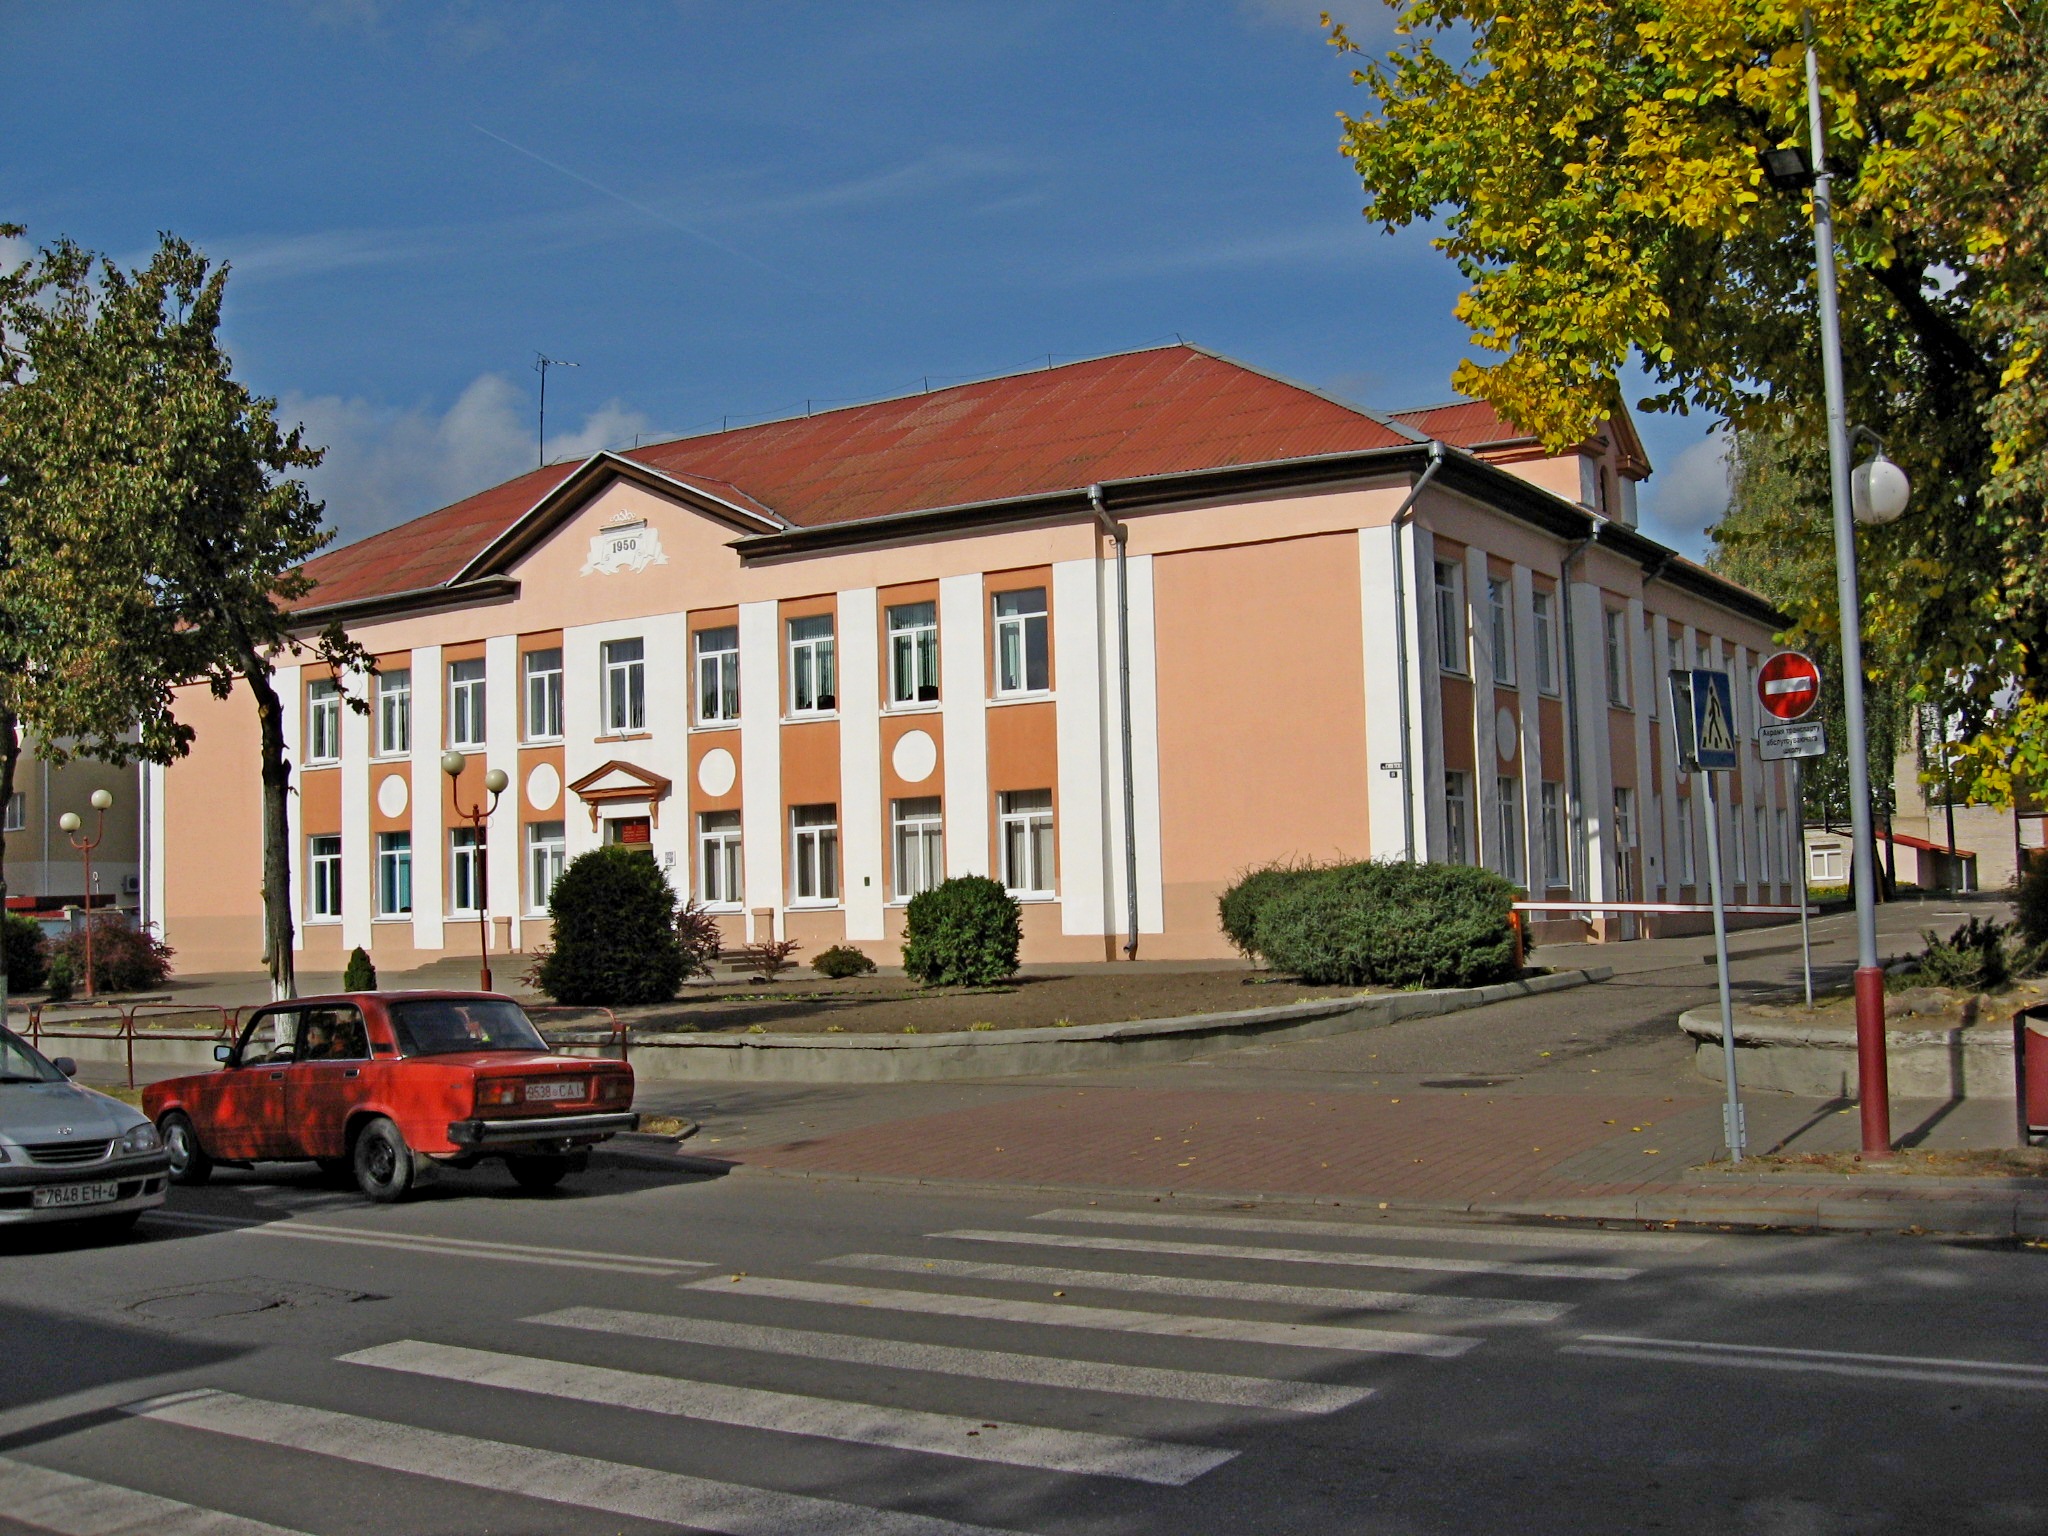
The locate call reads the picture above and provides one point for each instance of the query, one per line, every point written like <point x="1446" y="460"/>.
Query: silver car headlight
<point x="142" y="1138"/>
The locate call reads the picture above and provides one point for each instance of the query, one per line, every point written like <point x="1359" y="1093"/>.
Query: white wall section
<point x="429" y="853"/>
<point x="963" y="706"/>
<point x="501" y="750"/>
<point x="860" y="764"/>
<point x="1077" y="716"/>
<point x="761" y="834"/>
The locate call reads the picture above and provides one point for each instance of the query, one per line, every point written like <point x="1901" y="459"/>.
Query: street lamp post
<point x="101" y="801"/>
<point x="477" y="815"/>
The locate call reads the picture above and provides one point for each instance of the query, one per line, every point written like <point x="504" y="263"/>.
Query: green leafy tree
<point x="1592" y="167"/>
<point x="140" y="456"/>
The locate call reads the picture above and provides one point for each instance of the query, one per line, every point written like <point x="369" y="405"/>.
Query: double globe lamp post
<point x="102" y="801"/>
<point x="477" y="816"/>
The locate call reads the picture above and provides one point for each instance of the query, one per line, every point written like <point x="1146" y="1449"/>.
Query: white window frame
<point x="466" y="704"/>
<point x="1543" y="621"/>
<point x="394" y="713"/>
<point x="1624" y="817"/>
<point x="1784" y="859"/>
<point x="813" y="660"/>
<point x="541" y="674"/>
<point x="1507" y="839"/>
<point x="913" y="653"/>
<point x="1827" y="864"/>
<point x="1551" y="795"/>
<point x="394" y="873"/>
<point x="1614" y="631"/>
<point x="16" y="819"/>
<point x="1763" y="846"/>
<point x="1457" y="816"/>
<point x="623" y="667"/>
<point x="718" y="675"/>
<point x="1500" y="612"/>
<point x="1688" y="853"/>
<point x="1023" y="822"/>
<point x="323" y="878"/>
<point x="1015" y="631"/>
<point x="917" y="842"/>
<point x="547" y="855"/>
<point x="1738" y="841"/>
<point x="814" y="855"/>
<point x="721" y="868"/>
<point x="465" y="871"/>
<point x="1453" y="652"/>
<point x="323" y="721"/>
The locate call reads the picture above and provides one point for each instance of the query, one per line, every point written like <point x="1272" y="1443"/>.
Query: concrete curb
<point x="1032" y="1052"/>
<point x="2011" y="1217"/>
<point x="1819" y="1061"/>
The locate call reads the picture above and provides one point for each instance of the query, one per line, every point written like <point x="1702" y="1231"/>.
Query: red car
<point x="386" y="1085"/>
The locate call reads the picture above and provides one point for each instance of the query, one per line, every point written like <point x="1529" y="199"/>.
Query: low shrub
<point x="359" y="975"/>
<point x="1238" y="908"/>
<point x="1391" y="925"/>
<point x="61" y="982"/>
<point x="124" y="958"/>
<point x="1980" y="956"/>
<point x="842" y="961"/>
<point x="28" y="954"/>
<point x="767" y="959"/>
<point x="614" y="939"/>
<point x="698" y="938"/>
<point x="963" y="932"/>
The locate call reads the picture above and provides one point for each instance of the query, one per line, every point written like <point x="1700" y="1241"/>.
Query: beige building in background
<point x="44" y="872"/>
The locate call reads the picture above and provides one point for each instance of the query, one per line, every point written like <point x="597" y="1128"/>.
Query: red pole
<point x="483" y="922"/>
<point x="89" y="992"/>
<point x="1873" y="1075"/>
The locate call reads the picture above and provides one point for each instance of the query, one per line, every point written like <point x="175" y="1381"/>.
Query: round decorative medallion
<point x="1507" y="733"/>
<point x="716" y="772"/>
<point x="543" y="787"/>
<point x="392" y="794"/>
<point x="915" y="757"/>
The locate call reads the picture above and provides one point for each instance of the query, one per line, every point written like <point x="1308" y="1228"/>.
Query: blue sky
<point x="725" y="210"/>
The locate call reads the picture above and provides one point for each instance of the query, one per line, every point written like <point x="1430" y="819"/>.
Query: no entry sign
<point x="1788" y="685"/>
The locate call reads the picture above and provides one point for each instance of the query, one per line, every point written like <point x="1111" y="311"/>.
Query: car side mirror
<point x="65" y="1065"/>
<point x="225" y="1054"/>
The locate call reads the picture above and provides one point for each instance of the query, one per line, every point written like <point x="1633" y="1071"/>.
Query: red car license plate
<point x="54" y="1195"/>
<point x="545" y="1093"/>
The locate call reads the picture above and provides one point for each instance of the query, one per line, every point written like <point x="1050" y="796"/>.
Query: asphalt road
<point x="643" y="1352"/>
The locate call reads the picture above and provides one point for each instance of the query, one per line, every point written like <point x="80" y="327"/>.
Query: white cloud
<point x="1681" y="502"/>
<point x="385" y="464"/>
<point x="14" y="251"/>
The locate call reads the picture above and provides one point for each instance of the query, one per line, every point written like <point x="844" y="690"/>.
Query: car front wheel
<point x="189" y="1162"/>
<point x="384" y="1165"/>
<point x="538" y="1172"/>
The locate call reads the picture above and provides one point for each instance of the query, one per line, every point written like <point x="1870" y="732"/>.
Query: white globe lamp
<point x="1878" y="491"/>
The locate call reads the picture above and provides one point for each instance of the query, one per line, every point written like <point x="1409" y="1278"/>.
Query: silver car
<point x="67" y="1153"/>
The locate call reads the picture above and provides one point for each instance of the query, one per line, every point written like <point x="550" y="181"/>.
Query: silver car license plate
<point x="563" y="1088"/>
<point x="51" y="1196"/>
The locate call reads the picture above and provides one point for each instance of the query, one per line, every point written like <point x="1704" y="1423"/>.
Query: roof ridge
<point x="1382" y="418"/>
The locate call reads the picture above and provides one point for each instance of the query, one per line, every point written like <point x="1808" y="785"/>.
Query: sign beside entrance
<point x="1788" y="686"/>
<point x="1792" y="739"/>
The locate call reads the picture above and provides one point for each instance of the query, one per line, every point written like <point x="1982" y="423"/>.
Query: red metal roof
<point x="1470" y="424"/>
<point x="1907" y="840"/>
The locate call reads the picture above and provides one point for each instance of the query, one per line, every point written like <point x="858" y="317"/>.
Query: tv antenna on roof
<point x="541" y="364"/>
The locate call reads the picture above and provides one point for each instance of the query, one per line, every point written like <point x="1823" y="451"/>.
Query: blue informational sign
<point x="1713" y="721"/>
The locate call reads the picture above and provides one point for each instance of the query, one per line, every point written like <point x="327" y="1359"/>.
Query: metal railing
<point x="617" y="1032"/>
<point x="118" y="1021"/>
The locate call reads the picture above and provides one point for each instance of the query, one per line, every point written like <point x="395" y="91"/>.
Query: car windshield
<point x="439" y="1026"/>
<point x="20" y="1063"/>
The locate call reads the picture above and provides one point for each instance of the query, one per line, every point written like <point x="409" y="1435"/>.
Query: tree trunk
<point x="10" y="755"/>
<point x="277" y="852"/>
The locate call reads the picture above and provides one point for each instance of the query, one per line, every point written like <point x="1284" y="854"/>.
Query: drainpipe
<point x="1436" y="462"/>
<point x="1122" y="536"/>
<point x="1573" y="749"/>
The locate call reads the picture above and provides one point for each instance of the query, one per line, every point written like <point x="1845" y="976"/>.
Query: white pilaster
<point x="1596" y="783"/>
<point x="1641" y="693"/>
<point x="1529" y="675"/>
<point x="861" y="813"/>
<point x="1078" y="644"/>
<point x="963" y="707"/>
<point x="154" y="791"/>
<point x="1386" y="828"/>
<point x="501" y="751"/>
<point x="429" y="853"/>
<point x="761" y="833"/>
<point x="1429" y="713"/>
<point x="1485" y="753"/>
<point x="289" y="682"/>
<point x="1144" y="751"/>
<point x="358" y="865"/>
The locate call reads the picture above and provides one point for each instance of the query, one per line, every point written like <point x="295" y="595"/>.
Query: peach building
<point x="1111" y="632"/>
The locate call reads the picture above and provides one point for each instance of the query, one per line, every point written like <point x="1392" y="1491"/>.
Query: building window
<point x="1457" y="819"/>
<point x="814" y="850"/>
<point x="544" y="694"/>
<point x="466" y="703"/>
<point x="1543" y="621"/>
<point x="1688" y="868"/>
<point x="625" y="685"/>
<point x="1763" y="847"/>
<point x="1827" y="864"/>
<point x="1785" y="846"/>
<point x="813" y="667"/>
<point x="394" y="874"/>
<point x="1624" y="818"/>
<point x="1500" y="609"/>
<point x="394" y="713"/>
<point x="914" y="653"/>
<point x="1592" y="485"/>
<point x="1450" y="616"/>
<point x="323" y="721"/>
<point x="719" y="880"/>
<point x="1616" y="622"/>
<point x="920" y="845"/>
<point x="1703" y="653"/>
<point x="1553" y="834"/>
<point x="1023" y="661"/>
<point x="718" y="675"/>
<point x="17" y="812"/>
<point x="1508" y="829"/>
<point x="1739" y="844"/>
<point x="323" y="873"/>
<point x="465" y="871"/>
<point x="546" y="854"/>
<point x="1025" y="819"/>
<point x="1651" y="702"/>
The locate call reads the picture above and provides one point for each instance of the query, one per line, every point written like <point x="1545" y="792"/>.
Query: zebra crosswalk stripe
<point x="981" y="1364"/>
<point x="1352" y="1258"/>
<point x="1555" y="1239"/>
<point x="1377" y="1341"/>
<point x="1017" y="1445"/>
<point x="1471" y="1309"/>
<point x="555" y="1477"/>
<point x="66" y="1505"/>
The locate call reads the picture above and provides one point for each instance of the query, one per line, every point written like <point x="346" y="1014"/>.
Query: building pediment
<point x="617" y="783"/>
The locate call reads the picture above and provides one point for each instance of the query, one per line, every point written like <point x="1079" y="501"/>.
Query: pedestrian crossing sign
<point x="1713" y="722"/>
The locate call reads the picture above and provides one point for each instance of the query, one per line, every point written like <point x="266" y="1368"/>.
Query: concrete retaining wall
<point x="1820" y="1062"/>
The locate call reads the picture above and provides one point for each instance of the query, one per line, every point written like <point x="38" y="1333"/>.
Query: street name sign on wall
<point x="1788" y="686"/>
<point x="1804" y="738"/>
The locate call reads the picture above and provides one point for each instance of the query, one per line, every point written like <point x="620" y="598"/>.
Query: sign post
<point x="1703" y="719"/>
<point x="1788" y="686"/>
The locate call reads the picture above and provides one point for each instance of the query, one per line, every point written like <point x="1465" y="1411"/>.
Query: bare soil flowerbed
<point x="1951" y="1163"/>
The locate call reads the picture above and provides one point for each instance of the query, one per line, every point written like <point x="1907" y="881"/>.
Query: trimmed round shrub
<point x="614" y="932"/>
<point x="1391" y="925"/>
<point x="62" y="980"/>
<point x="124" y="958"/>
<point x="842" y="961"/>
<point x="28" y="955"/>
<point x="360" y="975"/>
<point x="1238" y="908"/>
<point x="963" y="932"/>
